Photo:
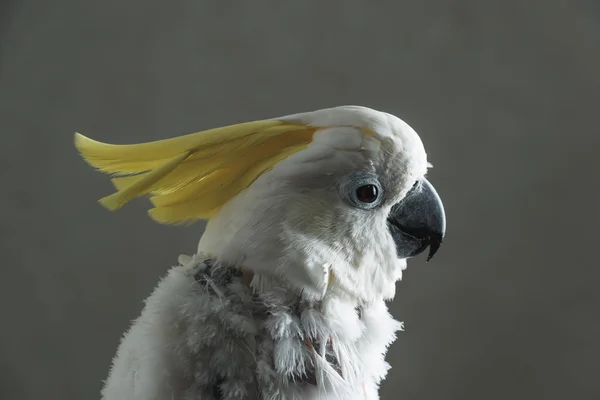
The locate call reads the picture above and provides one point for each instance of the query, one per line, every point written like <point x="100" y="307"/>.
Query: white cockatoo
<point x="310" y="220"/>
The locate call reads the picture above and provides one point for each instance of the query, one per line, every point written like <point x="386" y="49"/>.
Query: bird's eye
<point x="362" y="190"/>
<point x="367" y="193"/>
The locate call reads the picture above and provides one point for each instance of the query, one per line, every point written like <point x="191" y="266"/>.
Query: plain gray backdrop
<point x="505" y="95"/>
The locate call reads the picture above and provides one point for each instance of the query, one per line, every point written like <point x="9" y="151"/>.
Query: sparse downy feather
<point x="204" y="334"/>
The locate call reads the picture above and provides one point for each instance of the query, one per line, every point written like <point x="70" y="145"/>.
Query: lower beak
<point x="418" y="222"/>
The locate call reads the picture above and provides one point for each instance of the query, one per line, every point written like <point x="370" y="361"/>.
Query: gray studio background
<point x="504" y="94"/>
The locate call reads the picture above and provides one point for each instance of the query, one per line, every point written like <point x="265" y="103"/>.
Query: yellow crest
<point x="191" y="177"/>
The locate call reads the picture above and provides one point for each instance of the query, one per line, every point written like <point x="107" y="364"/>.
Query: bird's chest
<point x="273" y="345"/>
<point x="329" y="352"/>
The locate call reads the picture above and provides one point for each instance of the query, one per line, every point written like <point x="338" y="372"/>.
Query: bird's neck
<point x="263" y="284"/>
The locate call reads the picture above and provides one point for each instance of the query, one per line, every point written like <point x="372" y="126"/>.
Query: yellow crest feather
<point x="192" y="176"/>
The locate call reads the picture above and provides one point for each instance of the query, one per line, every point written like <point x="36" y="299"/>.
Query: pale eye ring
<point x="362" y="191"/>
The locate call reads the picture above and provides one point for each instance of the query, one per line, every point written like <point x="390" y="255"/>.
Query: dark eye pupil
<point x="367" y="193"/>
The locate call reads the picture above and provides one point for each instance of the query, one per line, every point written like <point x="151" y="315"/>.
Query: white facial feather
<point x="297" y="230"/>
<point x="293" y="223"/>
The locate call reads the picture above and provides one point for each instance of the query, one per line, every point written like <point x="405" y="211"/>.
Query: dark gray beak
<point x="418" y="222"/>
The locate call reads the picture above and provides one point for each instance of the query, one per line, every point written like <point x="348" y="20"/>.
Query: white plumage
<point x="307" y="319"/>
<point x="204" y="339"/>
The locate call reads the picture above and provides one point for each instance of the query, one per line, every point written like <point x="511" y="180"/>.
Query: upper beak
<point x="418" y="222"/>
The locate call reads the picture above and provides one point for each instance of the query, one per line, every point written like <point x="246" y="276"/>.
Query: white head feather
<point x="294" y="224"/>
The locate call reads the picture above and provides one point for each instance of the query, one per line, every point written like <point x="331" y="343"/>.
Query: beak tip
<point x="434" y="246"/>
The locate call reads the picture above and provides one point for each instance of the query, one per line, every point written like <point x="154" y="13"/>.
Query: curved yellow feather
<point x="202" y="162"/>
<point x="202" y="201"/>
<point x="237" y="165"/>
<point x="199" y="200"/>
<point x="144" y="156"/>
<point x="193" y="176"/>
<point x="118" y="199"/>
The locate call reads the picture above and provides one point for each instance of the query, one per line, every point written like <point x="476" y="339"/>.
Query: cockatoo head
<point x="329" y="201"/>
